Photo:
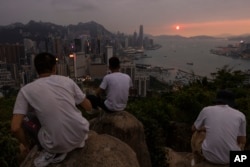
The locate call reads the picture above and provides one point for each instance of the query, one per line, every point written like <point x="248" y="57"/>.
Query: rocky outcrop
<point x="185" y="159"/>
<point x="177" y="159"/>
<point x="206" y="164"/>
<point x="127" y="128"/>
<point x="99" y="151"/>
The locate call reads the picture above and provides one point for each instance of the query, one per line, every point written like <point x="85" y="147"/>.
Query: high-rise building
<point x="6" y="78"/>
<point x="78" y="65"/>
<point x="140" y="37"/>
<point x="141" y="84"/>
<point x="140" y="79"/>
<point x="128" y="68"/>
<point x="134" y="41"/>
<point x="109" y="54"/>
<point x="82" y="43"/>
<point x="12" y="53"/>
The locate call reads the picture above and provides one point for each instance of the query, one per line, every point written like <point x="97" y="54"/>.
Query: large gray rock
<point x="99" y="151"/>
<point x="127" y="128"/>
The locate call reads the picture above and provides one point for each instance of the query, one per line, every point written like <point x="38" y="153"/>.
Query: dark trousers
<point x="31" y="126"/>
<point x="98" y="102"/>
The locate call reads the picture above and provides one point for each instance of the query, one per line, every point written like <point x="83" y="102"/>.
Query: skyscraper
<point x="140" y="38"/>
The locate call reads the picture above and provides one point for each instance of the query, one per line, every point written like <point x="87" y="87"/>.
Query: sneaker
<point x="45" y="158"/>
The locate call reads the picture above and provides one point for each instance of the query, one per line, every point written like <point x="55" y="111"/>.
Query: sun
<point x="177" y="27"/>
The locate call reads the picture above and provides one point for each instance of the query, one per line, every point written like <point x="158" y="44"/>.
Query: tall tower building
<point x="109" y="53"/>
<point x="134" y="40"/>
<point x="140" y="37"/>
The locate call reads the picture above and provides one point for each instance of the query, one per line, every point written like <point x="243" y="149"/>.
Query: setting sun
<point x="177" y="27"/>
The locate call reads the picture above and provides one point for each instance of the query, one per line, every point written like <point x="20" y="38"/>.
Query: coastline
<point x="180" y="54"/>
<point x="154" y="47"/>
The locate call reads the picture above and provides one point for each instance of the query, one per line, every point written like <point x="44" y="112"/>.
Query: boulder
<point x="99" y="151"/>
<point x="206" y="164"/>
<point x="127" y="128"/>
<point x="178" y="159"/>
<point x="184" y="159"/>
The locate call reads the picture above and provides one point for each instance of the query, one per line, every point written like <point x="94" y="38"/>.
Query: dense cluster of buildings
<point x="80" y="57"/>
<point x="239" y="50"/>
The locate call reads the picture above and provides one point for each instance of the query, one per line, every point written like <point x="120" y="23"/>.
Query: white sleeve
<point x="21" y="104"/>
<point x="199" y="122"/>
<point x="242" y="128"/>
<point x="79" y="95"/>
<point x="104" y="83"/>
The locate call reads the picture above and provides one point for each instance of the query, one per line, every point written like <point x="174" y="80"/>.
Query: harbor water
<point x="192" y="56"/>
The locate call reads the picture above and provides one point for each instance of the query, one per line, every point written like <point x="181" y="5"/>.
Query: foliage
<point x="227" y="78"/>
<point x="9" y="147"/>
<point x="153" y="114"/>
<point x="156" y="85"/>
<point x="157" y="112"/>
<point x="8" y="91"/>
<point x="6" y="108"/>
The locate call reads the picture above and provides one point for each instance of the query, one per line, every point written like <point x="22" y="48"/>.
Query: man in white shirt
<point x="52" y="99"/>
<point x="219" y="129"/>
<point x="116" y="86"/>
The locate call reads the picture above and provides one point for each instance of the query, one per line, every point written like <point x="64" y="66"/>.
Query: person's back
<point x="53" y="99"/>
<point x="218" y="130"/>
<point x="222" y="124"/>
<point x="117" y="87"/>
<point x="49" y="105"/>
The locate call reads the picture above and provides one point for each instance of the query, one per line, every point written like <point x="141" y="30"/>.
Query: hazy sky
<point x="195" y="17"/>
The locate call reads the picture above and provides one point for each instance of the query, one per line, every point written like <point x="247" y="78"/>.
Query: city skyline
<point x="160" y="17"/>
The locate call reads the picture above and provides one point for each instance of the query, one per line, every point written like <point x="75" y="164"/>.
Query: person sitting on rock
<point x="116" y="86"/>
<point x="219" y="129"/>
<point x="46" y="109"/>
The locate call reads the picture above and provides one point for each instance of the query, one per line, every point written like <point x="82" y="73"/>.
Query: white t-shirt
<point x="223" y="124"/>
<point x="117" y="87"/>
<point x="54" y="100"/>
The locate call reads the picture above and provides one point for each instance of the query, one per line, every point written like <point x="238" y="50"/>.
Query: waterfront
<point x="192" y="55"/>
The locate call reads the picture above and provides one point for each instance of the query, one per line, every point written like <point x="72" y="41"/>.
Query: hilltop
<point x="15" y="33"/>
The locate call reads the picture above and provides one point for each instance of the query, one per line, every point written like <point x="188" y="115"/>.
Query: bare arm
<point x="17" y="130"/>
<point x="241" y="140"/>
<point x="86" y="104"/>
<point x="99" y="92"/>
<point x="193" y="128"/>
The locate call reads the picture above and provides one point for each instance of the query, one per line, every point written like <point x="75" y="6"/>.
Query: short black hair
<point x="114" y="63"/>
<point x="44" y="62"/>
<point x="225" y="97"/>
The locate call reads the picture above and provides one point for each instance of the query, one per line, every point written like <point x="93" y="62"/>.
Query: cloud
<point x="75" y="5"/>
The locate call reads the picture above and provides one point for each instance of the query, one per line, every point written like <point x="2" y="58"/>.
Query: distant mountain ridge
<point x="16" y="32"/>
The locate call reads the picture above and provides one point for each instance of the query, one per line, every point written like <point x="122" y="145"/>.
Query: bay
<point x="192" y="55"/>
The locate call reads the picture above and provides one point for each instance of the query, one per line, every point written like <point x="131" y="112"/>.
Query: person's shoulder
<point x="124" y="75"/>
<point x="61" y="77"/>
<point x="211" y="107"/>
<point x="241" y="114"/>
<point x="29" y="85"/>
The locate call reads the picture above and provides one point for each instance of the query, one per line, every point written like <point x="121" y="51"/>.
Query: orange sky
<point x="231" y="27"/>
